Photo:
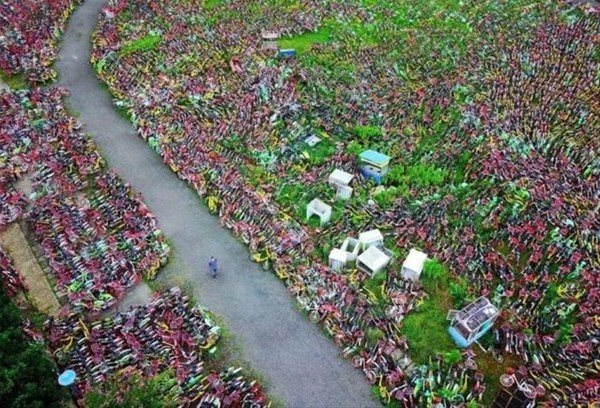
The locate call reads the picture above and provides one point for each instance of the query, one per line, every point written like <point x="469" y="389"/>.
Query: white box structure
<point x="413" y="265"/>
<point x="351" y="246"/>
<point x="319" y="208"/>
<point x="343" y="192"/>
<point x="373" y="260"/>
<point x="340" y="181"/>
<point x="370" y="238"/>
<point x="340" y="178"/>
<point x="337" y="259"/>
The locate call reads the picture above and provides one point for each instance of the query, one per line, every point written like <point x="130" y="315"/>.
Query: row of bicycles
<point x="30" y="35"/>
<point x="95" y="233"/>
<point x="169" y="334"/>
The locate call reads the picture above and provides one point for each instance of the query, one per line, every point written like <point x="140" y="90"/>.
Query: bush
<point x="396" y="176"/>
<point x="426" y="175"/>
<point x="147" y="43"/>
<point x="366" y="133"/>
<point x="134" y="391"/>
<point x="319" y="154"/>
<point x="373" y="335"/>
<point x="375" y="286"/>
<point x="458" y="292"/>
<point x="27" y="375"/>
<point x="452" y="357"/>
<point x="435" y="273"/>
<point x="373" y="283"/>
<point x="354" y="148"/>
<point x="387" y="197"/>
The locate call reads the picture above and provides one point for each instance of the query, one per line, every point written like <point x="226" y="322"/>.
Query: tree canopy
<point x="28" y="376"/>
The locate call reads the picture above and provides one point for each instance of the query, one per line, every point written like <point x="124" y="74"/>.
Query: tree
<point x="28" y="377"/>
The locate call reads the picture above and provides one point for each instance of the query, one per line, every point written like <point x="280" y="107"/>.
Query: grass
<point x="303" y="42"/>
<point x="426" y="328"/>
<point x="14" y="81"/>
<point x="209" y="4"/>
<point x="492" y="371"/>
<point x="147" y="43"/>
<point x="426" y="332"/>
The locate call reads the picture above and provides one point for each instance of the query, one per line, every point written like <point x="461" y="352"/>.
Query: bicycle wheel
<point x="357" y="361"/>
<point x="507" y="380"/>
<point x="314" y="316"/>
<point x="529" y="391"/>
<point x="371" y="376"/>
<point x="499" y="357"/>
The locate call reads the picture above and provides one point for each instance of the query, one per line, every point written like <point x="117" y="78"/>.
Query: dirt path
<point x="301" y="366"/>
<point x="40" y="293"/>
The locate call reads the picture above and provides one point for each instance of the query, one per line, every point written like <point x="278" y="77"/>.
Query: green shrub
<point x="374" y="282"/>
<point x="366" y="133"/>
<point x="27" y="374"/>
<point x="354" y="147"/>
<point x="426" y="329"/>
<point x="434" y="273"/>
<point x="373" y="335"/>
<point x="458" y="292"/>
<point x="426" y="175"/>
<point x="147" y="43"/>
<point x="386" y="197"/>
<point x="452" y="357"/>
<point x="303" y="42"/>
<point x="396" y="176"/>
<point x="318" y="154"/>
<point x="133" y="391"/>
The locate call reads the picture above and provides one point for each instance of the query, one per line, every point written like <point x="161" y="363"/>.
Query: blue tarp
<point x="67" y="378"/>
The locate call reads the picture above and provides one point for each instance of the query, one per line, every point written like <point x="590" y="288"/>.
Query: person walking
<point x="212" y="266"/>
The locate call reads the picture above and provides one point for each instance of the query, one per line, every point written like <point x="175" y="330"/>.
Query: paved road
<point x="302" y="367"/>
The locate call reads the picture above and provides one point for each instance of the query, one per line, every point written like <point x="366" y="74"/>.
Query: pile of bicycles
<point x="96" y="234"/>
<point x="30" y="35"/>
<point x="11" y="278"/>
<point x="493" y="179"/>
<point x="167" y="334"/>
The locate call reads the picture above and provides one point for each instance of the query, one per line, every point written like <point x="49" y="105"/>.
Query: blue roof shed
<point x="375" y="158"/>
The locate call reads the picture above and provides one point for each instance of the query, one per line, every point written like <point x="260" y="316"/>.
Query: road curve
<point x="301" y="366"/>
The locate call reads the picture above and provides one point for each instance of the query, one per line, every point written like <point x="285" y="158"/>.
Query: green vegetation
<point x="303" y="42"/>
<point x="426" y="328"/>
<point x="420" y="174"/>
<point x="147" y="43"/>
<point x="317" y="155"/>
<point x="209" y="4"/>
<point x="375" y="288"/>
<point x="27" y="374"/>
<point x="387" y="197"/>
<point x="15" y="81"/>
<point x="367" y="133"/>
<point x="134" y="391"/>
